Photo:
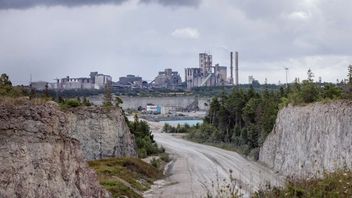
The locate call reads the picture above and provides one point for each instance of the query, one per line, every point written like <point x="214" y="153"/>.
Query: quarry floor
<point x="199" y="169"/>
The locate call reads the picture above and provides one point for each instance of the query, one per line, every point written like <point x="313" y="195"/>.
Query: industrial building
<point x="208" y="74"/>
<point x="131" y="81"/>
<point x="40" y="85"/>
<point x="95" y="81"/>
<point x="167" y="79"/>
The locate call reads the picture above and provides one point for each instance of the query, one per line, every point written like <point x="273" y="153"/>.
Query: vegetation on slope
<point x="242" y="120"/>
<point x="308" y="91"/>
<point x="337" y="184"/>
<point x="6" y="88"/>
<point x="125" y="176"/>
<point x="146" y="145"/>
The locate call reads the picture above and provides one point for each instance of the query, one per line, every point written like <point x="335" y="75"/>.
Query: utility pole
<point x="231" y="68"/>
<point x="236" y="69"/>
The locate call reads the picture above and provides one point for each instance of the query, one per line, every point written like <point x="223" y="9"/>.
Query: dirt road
<point x="198" y="169"/>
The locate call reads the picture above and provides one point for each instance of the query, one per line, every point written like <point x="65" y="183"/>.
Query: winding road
<point x="200" y="169"/>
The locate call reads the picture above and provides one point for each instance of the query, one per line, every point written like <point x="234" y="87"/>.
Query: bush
<point x="72" y="103"/>
<point x="155" y="163"/>
<point x="165" y="157"/>
<point x="337" y="184"/>
<point x="167" y="128"/>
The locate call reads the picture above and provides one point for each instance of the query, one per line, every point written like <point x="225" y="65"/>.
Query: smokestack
<point x="231" y="68"/>
<point x="237" y="69"/>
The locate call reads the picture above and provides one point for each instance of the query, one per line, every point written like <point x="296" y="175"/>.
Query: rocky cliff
<point x="102" y="133"/>
<point x="38" y="156"/>
<point x="307" y="141"/>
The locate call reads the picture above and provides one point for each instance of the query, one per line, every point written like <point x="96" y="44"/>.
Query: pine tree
<point x="349" y="84"/>
<point x="4" y="80"/>
<point x="350" y="74"/>
<point x="5" y="84"/>
<point x="310" y="75"/>
<point x="46" y="92"/>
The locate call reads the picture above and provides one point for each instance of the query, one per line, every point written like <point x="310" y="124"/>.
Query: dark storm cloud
<point x="194" y="3"/>
<point x="24" y="4"/>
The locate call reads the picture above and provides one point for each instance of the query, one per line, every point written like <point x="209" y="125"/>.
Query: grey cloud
<point x="24" y="4"/>
<point x="264" y="9"/>
<point x="193" y="3"/>
<point x="77" y="41"/>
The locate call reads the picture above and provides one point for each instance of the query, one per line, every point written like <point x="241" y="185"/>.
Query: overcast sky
<point x="55" y="38"/>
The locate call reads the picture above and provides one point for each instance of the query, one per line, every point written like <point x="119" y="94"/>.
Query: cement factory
<point x="205" y="75"/>
<point x="210" y="75"/>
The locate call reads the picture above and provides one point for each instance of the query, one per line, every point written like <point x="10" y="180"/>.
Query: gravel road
<point x="198" y="169"/>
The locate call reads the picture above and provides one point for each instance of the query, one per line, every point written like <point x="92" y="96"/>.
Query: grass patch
<point x="337" y="184"/>
<point x="138" y="174"/>
<point x="118" y="189"/>
<point x="6" y="100"/>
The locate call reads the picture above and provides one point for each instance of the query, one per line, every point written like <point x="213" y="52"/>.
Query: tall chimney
<point x="231" y="68"/>
<point x="237" y="69"/>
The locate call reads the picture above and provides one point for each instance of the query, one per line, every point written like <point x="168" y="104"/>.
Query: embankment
<point x="38" y="156"/>
<point x="178" y="102"/>
<point x="101" y="132"/>
<point x="309" y="140"/>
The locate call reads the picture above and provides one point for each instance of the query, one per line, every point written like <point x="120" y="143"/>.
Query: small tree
<point x="310" y="75"/>
<point x="4" y="80"/>
<point x="350" y="74"/>
<point x="309" y="91"/>
<point x="5" y="84"/>
<point x="107" y="95"/>
<point x="118" y="101"/>
<point x="348" y="88"/>
<point x="46" y="92"/>
<point x="32" y="92"/>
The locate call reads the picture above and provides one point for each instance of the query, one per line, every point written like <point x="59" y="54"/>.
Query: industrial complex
<point x="206" y="74"/>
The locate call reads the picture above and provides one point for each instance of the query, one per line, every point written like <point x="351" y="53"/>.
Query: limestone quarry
<point x="101" y="132"/>
<point x="41" y="149"/>
<point x="309" y="140"/>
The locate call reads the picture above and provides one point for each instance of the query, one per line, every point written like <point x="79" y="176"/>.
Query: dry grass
<point x="6" y="100"/>
<point x="337" y="184"/>
<point x="137" y="173"/>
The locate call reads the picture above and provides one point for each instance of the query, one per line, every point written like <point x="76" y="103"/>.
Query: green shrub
<point x="72" y="103"/>
<point x="131" y="170"/>
<point x="165" y="157"/>
<point x="155" y="163"/>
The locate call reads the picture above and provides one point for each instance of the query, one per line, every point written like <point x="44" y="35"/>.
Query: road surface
<point x="200" y="169"/>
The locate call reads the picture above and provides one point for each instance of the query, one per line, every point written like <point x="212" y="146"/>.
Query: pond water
<point x="182" y="122"/>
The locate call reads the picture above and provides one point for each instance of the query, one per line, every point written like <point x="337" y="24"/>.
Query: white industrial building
<point x="95" y="81"/>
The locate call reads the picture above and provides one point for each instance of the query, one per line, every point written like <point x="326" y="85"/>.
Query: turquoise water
<point x="182" y="122"/>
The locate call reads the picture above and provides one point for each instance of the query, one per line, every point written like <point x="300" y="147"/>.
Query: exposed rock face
<point x="38" y="157"/>
<point x="309" y="140"/>
<point x="102" y="133"/>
